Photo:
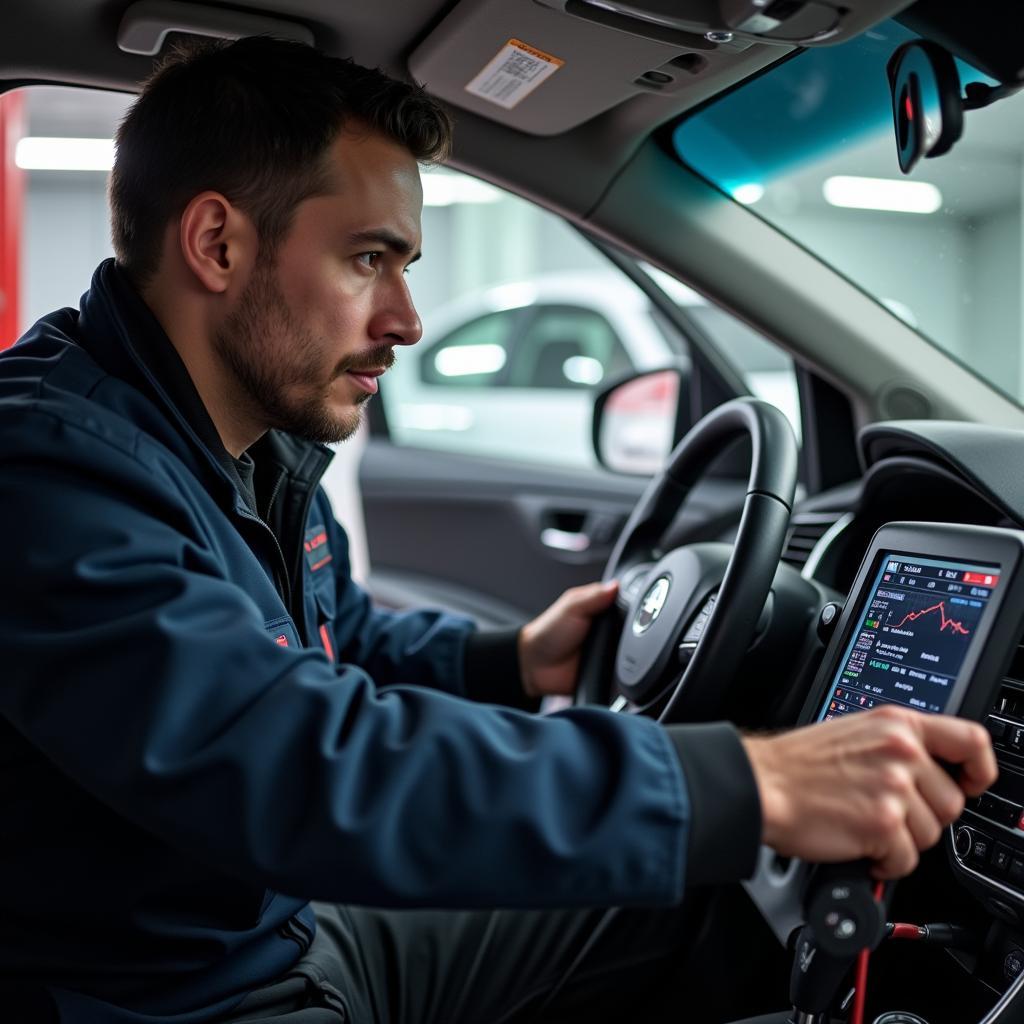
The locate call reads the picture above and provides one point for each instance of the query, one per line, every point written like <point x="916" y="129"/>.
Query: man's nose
<point x="398" y="321"/>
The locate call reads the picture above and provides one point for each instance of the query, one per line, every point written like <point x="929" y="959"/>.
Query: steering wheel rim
<point x="730" y="623"/>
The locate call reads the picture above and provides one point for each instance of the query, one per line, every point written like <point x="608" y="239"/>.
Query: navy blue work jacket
<point x="204" y="723"/>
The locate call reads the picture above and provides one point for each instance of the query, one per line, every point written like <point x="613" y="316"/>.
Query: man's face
<point x="318" y="322"/>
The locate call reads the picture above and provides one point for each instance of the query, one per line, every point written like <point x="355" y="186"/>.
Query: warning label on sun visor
<point x="513" y="74"/>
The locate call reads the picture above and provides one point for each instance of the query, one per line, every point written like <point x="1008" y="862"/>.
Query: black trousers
<point x="371" y="966"/>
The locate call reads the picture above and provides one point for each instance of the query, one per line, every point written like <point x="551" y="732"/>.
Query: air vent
<point x="805" y="530"/>
<point x="1009" y="702"/>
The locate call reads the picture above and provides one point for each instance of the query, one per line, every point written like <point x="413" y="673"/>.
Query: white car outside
<point x="497" y="356"/>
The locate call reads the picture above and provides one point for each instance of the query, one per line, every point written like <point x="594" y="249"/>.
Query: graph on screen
<point x="955" y="626"/>
<point x="913" y="635"/>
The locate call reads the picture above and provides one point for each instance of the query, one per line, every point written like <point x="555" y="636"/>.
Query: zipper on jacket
<point x="284" y="582"/>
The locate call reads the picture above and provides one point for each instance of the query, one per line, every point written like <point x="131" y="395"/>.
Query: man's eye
<point x="369" y="259"/>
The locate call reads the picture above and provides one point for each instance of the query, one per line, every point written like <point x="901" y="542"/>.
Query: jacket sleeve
<point x="150" y="680"/>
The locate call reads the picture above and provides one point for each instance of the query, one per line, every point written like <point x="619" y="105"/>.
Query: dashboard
<point x="928" y="549"/>
<point x="933" y="622"/>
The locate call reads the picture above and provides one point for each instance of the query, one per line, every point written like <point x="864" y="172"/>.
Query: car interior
<point x="812" y="492"/>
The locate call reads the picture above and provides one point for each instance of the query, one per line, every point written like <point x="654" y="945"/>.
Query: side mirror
<point x="638" y="420"/>
<point x="927" y="107"/>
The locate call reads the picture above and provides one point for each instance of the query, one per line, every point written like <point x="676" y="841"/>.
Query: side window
<point x="767" y="371"/>
<point x="524" y="321"/>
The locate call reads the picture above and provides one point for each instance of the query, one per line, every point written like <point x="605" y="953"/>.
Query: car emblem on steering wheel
<point x="651" y="605"/>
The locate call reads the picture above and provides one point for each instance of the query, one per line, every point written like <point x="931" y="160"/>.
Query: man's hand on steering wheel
<point x="550" y="645"/>
<point x="868" y="786"/>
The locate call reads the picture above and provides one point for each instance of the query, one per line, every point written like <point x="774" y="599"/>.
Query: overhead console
<point x="934" y="623"/>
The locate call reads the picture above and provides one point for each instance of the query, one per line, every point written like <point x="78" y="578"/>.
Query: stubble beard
<point x="273" y="358"/>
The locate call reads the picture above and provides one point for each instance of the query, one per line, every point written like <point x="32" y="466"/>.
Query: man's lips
<point x="366" y="379"/>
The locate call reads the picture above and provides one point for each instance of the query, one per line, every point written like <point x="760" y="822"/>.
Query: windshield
<point x="809" y="146"/>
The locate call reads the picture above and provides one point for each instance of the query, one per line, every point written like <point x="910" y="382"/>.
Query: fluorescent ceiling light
<point x="39" y="153"/>
<point x="882" y="194"/>
<point x="445" y="188"/>
<point x="747" y="194"/>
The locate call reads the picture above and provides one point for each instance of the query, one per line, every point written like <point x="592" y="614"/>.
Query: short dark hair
<point x="251" y="119"/>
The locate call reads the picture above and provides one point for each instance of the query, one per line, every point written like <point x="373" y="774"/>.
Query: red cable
<point x="861" y="982"/>
<point x="860" y="987"/>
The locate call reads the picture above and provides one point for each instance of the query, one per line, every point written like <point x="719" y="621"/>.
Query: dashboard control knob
<point x="1013" y="964"/>
<point x="828" y="617"/>
<point x="962" y="842"/>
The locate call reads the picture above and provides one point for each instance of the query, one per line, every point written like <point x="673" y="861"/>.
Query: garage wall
<point x="66" y="234"/>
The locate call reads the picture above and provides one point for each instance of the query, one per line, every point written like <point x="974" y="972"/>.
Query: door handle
<point x="564" y="540"/>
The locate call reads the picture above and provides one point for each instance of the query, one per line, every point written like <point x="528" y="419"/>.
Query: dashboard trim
<point x="991" y="883"/>
<point x="826" y="540"/>
<point x="1005" y="1002"/>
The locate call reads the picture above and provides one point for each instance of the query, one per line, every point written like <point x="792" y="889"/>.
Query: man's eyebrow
<point x="382" y="237"/>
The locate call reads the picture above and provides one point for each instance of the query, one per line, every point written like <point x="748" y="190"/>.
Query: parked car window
<point x="566" y="347"/>
<point x="473" y="355"/>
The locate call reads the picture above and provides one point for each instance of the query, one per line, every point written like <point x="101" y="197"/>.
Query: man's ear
<point x="218" y="241"/>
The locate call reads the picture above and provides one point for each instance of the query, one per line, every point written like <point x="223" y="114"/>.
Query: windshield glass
<point x="810" y="147"/>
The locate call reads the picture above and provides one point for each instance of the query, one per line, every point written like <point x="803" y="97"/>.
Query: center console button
<point x="996" y="728"/>
<point x="1016" y="871"/>
<point x="979" y="848"/>
<point x="1001" y="857"/>
<point x="1016" y="738"/>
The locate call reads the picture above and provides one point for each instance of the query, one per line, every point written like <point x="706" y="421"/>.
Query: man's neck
<point x="228" y="407"/>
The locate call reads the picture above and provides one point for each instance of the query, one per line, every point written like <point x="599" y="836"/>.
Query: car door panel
<point x="500" y="540"/>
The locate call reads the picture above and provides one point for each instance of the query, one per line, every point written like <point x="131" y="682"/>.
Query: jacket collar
<point x="119" y="330"/>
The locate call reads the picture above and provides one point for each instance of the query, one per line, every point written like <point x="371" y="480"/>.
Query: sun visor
<point x="546" y="66"/>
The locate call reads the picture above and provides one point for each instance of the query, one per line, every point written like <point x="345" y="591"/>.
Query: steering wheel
<point x="690" y="613"/>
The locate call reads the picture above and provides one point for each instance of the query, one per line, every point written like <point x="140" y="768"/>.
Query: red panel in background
<point x="12" y="193"/>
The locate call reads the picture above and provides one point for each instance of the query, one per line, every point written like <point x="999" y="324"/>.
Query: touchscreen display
<point x="912" y="635"/>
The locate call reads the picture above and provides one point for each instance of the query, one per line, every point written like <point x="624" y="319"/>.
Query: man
<point x="205" y="724"/>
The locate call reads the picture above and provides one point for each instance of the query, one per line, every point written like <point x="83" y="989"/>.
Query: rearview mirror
<point x="927" y="108"/>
